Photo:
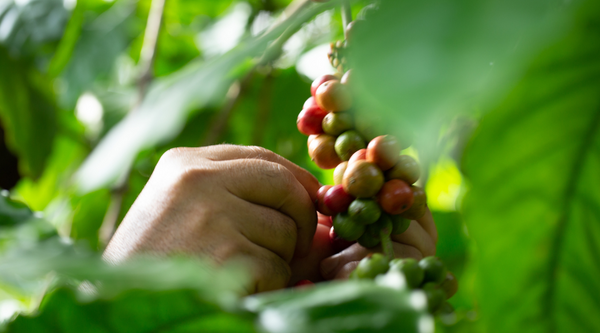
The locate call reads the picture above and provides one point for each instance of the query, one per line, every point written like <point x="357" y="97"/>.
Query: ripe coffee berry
<point x="320" y="80"/>
<point x="310" y="102"/>
<point x="322" y="151"/>
<point x="310" y="120"/>
<point x="338" y="243"/>
<point x="395" y="197"/>
<point x="333" y="96"/>
<point x="337" y="200"/>
<point x="419" y="206"/>
<point x="384" y="151"/>
<point x="362" y="179"/>
<point x="360" y="154"/>
<point x="321" y="207"/>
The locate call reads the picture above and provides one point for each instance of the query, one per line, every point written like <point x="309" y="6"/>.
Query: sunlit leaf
<point x="534" y="205"/>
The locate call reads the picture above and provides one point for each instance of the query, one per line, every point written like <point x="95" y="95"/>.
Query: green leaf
<point x="133" y="311"/>
<point x="534" y="206"/>
<point x="171" y="100"/>
<point x="27" y="112"/>
<point x="349" y="306"/>
<point x="418" y="64"/>
<point x="13" y="212"/>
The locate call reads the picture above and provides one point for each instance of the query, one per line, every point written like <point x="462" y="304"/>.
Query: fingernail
<point x="329" y="265"/>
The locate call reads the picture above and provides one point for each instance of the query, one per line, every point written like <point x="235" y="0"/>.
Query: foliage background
<point x="500" y="97"/>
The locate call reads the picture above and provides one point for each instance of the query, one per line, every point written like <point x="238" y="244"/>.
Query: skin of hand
<point x="418" y="241"/>
<point x="225" y="202"/>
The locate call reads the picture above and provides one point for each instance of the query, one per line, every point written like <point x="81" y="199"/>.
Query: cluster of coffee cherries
<point x="373" y="195"/>
<point x="429" y="274"/>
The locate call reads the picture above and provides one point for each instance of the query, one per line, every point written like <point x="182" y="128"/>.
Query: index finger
<point x="226" y="152"/>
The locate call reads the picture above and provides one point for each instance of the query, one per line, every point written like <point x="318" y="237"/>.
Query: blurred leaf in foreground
<point x="348" y="306"/>
<point x="534" y="206"/>
<point x="133" y="311"/>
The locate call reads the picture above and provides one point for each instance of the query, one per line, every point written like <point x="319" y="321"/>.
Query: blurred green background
<point x="501" y="99"/>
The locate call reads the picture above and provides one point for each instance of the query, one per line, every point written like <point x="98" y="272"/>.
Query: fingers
<point x="272" y="185"/>
<point x="418" y="238"/>
<point x="266" y="227"/>
<point x="269" y="271"/>
<point x="233" y="152"/>
<point x="341" y="264"/>
<point x="428" y="225"/>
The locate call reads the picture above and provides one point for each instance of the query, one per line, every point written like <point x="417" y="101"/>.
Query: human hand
<point x="418" y="241"/>
<point x="224" y="202"/>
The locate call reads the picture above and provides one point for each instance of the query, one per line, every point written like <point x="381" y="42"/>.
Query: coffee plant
<point x="485" y="112"/>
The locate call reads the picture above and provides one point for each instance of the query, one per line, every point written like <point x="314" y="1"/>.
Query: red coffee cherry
<point x="359" y="155"/>
<point x="384" y="151"/>
<point x="310" y="121"/>
<point x="320" y="80"/>
<point x="395" y="197"/>
<point x="338" y="243"/>
<point x="304" y="284"/>
<point x="322" y="151"/>
<point x="333" y="96"/>
<point x="362" y="179"/>
<point x="321" y="207"/>
<point x="310" y="102"/>
<point x="337" y="200"/>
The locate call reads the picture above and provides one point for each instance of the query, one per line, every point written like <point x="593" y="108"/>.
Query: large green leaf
<point x="418" y="64"/>
<point x="133" y="311"/>
<point x="27" y="112"/>
<point x="171" y="100"/>
<point x="534" y="206"/>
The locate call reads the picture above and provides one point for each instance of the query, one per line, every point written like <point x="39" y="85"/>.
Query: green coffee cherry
<point x="347" y="228"/>
<point x="399" y="224"/>
<point x="336" y="123"/>
<point x="348" y="143"/>
<point x="371" y="266"/>
<point x="434" y="269"/>
<point x="369" y="239"/>
<point x="435" y="296"/>
<point x="413" y="273"/>
<point x="364" y="211"/>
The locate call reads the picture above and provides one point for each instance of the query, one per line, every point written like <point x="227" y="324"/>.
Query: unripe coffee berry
<point x="348" y="143"/>
<point x="336" y="123"/>
<point x="320" y="80"/>
<point x="337" y="200"/>
<point x="395" y="197"/>
<point x="364" y="211"/>
<point x="406" y="168"/>
<point x="346" y="228"/>
<point x="362" y="179"/>
<point x="338" y="243"/>
<point x="322" y="151"/>
<point x="384" y="151"/>
<point x="333" y="96"/>
<point x="434" y="269"/>
<point x="338" y="173"/>
<point x="411" y="270"/>
<point x="371" y="266"/>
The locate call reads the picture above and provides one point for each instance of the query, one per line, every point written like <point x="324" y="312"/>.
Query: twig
<point x="147" y="56"/>
<point x="148" y="52"/>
